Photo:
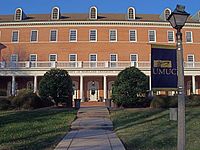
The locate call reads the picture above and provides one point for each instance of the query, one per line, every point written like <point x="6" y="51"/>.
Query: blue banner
<point x="163" y="67"/>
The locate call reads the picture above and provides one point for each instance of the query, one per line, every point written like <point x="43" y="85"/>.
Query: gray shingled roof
<point x="85" y="17"/>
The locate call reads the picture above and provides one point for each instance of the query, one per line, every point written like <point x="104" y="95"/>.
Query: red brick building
<point x="92" y="47"/>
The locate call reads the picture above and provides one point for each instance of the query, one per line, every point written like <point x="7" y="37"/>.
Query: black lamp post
<point x="177" y="20"/>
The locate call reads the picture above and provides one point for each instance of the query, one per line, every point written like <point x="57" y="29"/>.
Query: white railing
<point x="86" y="64"/>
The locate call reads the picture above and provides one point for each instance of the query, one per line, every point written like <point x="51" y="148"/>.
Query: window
<point x="53" y="35"/>
<point x="14" y="58"/>
<point x="55" y="15"/>
<point x="34" y="36"/>
<point x="132" y="35"/>
<point x="93" y="60"/>
<point x="131" y="13"/>
<point x="72" y="35"/>
<point x="93" y="12"/>
<point x="167" y="12"/>
<point x="93" y="35"/>
<point x="113" y="60"/>
<point x="52" y="57"/>
<point x="73" y="60"/>
<point x="170" y="36"/>
<point x="33" y="60"/>
<point x="113" y="35"/>
<point x="190" y="60"/>
<point x="15" y="36"/>
<point x="152" y="36"/>
<point x="134" y="59"/>
<point x="18" y="14"/>
<point x="189" y="37"/>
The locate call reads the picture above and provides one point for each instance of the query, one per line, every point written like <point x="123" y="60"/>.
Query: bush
<point x="26" y="99"/>
<point x="130" y="87"/>
<point x="164" y="102"/>
<point x="5" y="104"/>
<point x="193" y="100"/>
<point x="3" y="92"/>
<point x="56" y="84"/>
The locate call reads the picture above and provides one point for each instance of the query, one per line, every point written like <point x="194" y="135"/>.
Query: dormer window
<point x="167" y="12"/>
<point x="18" y="14"/>
<point x="131" y="13"/>
<point x="93" y="12"/>
<point x="55" y="15"/>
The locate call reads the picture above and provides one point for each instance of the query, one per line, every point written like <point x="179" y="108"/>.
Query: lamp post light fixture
<point x="177" y="20"/>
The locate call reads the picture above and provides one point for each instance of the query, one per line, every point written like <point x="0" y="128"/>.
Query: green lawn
<point x="150" y="129"/>
<point x="37" y="129"/>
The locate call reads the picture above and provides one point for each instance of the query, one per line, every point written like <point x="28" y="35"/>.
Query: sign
<point x="163" y="67"/>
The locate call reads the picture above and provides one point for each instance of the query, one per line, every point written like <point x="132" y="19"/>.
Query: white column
<point x="13" y="85"/>
<point x="150" y="83"/>
<point x="81" y="87"/>
<point x="193" y="85"/>
<point x="104" y="87"/>
<point x="35" y="84"/>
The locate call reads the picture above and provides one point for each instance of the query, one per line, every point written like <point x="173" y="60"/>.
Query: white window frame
<point x="91" y="13"/>
<point x="17" y="37"/>
<point x="32" y="55"/>
<point x="93" y="64"/>
<point x="133" y="13"/>
<point x="33" y="63"/>
<point x="135" y="36"/>
<point x="70" y="35"/>
<point x="186" y="36"/>
<point x="16" y="57"/>
<point x="115" y="35"/>
<point x="113" y="63"/>
<point x="21" y="13"/>
<point x="149" y="36"/>
<point x="58" y="15"/>
<point x="190" y="63"/>
<point x="75" y="57"/>
<point x="56" y="57"/>
<point x="73" y="63"/>
<point x="56" y="35"/>
<point x="168" y="36"/>
<point x="36" y="37"/>
<point x="95" y="35"/>
<point x="134" y="63"/>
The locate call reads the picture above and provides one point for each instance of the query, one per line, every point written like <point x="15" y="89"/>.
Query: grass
<point x="151" y="129"/>
<point x="34" y="130"/>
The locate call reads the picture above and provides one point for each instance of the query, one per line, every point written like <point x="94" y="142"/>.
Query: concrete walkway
<point x="92" y="130"/>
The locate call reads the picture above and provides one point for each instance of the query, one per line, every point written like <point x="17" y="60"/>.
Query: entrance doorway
<point x="93" y="91"/>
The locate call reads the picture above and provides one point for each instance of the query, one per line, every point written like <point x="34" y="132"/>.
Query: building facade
<point x="92" y="47"/>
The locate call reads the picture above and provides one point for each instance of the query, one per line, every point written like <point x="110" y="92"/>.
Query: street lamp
<point x="177" y="20"/>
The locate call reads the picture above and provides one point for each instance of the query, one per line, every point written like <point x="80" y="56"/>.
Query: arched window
<point x="93" y="12"/>
<point x="167" y="12"/>
<point x="131" y="13"/>
<point x="18" y="14"/>
<point x="55" y="15"/>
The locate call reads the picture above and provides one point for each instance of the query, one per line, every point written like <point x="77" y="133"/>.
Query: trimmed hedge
<point x="164" y="102"/>
<point x="193" y="100"/>
<point x="5" y="104"/>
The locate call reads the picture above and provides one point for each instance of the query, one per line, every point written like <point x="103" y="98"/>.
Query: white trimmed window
<point x="55" y="14"/>
<point x="131" y="13"/>
<point x="93" y="12"/>
<point x="15" y="36"/>
<point x="189" y="38"/>
<point x="34" y="36"/>
<point x="190" y="60"/>
<point x="167" y="12"/>
<point x="170" y="36"/>
<point x="93" y="35"/>
<point x="52" y="57"/>
<point x="113" y="35"/>
<point x="14" y="58"/>
<point x="18" y="14"/>
<point x="33" y="60"/>
<point x="134" y="59"/>
<point x="73" y="35"/>
<point x="53" y="35"/>
<point x="113" y="60"/>
<point x="132" y="35"/>
<point x="93" y="60"/>
<point x="152" y="35"/>
<point x="73" y="60"/>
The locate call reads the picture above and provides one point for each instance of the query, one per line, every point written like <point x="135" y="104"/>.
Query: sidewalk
<point x="92" y="130"/>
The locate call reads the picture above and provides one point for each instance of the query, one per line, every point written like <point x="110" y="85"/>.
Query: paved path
<point x="92" y="130"/>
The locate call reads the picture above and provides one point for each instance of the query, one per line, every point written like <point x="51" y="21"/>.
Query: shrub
<point x="26" y="99"/>
<point x="5" y="104"/>
<point x="164" y="102"/>
<point x="130" y="87"/>
<point x="56" y="84"/>
<point x="193" y="100"/>
<point x="3" y="92"/>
